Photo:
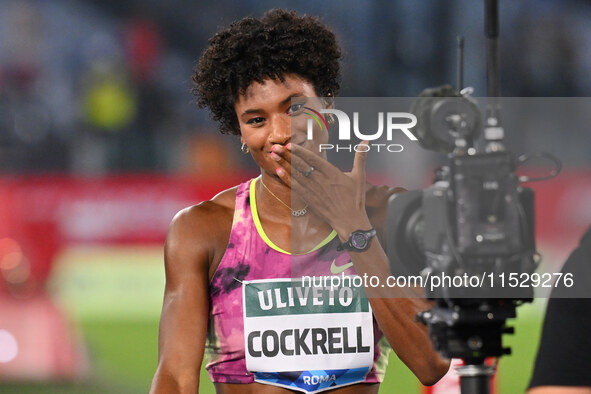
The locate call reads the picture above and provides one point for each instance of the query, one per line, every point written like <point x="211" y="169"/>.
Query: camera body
<point x="469" y="230"/>
<point x="478" y="221"/>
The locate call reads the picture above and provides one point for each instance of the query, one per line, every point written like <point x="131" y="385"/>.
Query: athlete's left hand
<point x="335" y="196"/>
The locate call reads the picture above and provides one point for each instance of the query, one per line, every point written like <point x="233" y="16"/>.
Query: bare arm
<point x="409" y="339"/>
<point x="395" y="311"/>
<point x="341" y="200"/>
<point x="396" y="318"/>
<point x="183" y="323"/>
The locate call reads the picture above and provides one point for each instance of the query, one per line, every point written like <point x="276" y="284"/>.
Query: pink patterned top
<point x="270" y="324"/>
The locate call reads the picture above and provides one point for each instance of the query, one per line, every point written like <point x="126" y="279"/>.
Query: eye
<point x="255" y="121"/>
<point x="295" y="108"/>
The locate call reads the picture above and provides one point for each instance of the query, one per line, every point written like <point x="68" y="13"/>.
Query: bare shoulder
<point x="222" y="204"/>
<point x="199" y="234"/>
<point x="206" y="217"/>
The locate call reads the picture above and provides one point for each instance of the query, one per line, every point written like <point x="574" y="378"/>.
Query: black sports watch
<point x="358" y="241"/>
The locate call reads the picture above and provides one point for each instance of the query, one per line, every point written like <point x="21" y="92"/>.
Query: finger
<point x="285" y="176"/>
<point x="283" y="161"/>
<point x="292" y="167"/>
<point x="297" y="184"/>
<point x="297" y="188"/>
<point x="302" y="168"/>
<point x="282" y="155"/>
<point x="306" y="159"/>
<point x="301" y="187"/>
<point x="360" y="159"/>
<point x="304" y="179"/>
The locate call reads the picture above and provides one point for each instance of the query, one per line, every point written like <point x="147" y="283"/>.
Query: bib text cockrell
<point x="308" y="341"/>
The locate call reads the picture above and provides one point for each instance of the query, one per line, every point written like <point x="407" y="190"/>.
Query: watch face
<point x="359" y="240"/>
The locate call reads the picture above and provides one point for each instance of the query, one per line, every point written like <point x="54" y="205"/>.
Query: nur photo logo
<point x="389" y="123"/>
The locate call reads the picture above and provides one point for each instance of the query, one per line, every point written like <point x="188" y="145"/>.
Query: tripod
<point x="471" y="330"/>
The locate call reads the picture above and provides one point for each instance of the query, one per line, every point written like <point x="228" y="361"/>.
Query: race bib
<point x="306" y="338"/>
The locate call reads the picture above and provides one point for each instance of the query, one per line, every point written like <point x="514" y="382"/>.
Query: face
<point x="272" y="113"/>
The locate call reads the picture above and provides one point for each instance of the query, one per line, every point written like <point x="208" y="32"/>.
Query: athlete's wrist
<point x="344" y="230"/>
<point x="358" y="241"/>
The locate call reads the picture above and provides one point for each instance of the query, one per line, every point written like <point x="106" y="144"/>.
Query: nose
<point x="280" y="129"/>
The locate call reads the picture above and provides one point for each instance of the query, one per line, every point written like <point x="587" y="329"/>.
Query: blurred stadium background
<point x="101" y="143"/>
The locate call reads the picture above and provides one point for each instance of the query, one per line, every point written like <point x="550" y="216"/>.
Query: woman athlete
<point x="232" y="263"/>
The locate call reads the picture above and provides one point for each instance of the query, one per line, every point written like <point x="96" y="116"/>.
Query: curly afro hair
<point x="252" y="50"/>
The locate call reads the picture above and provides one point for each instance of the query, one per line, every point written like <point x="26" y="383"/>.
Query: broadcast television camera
<point x="475" y="221"/>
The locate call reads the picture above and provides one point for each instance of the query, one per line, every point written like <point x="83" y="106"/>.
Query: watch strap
<point x="358" y="241"/>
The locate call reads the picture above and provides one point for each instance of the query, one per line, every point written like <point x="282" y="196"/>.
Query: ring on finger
<point x="307" y="173"/>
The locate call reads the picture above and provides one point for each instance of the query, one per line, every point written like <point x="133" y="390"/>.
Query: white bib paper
<point x="306" y="338"/>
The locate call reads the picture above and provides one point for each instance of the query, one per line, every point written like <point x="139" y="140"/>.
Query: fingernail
<point x="288" y="146"/>
<point x="280" y="171"/>
<point x="275" y="156"/>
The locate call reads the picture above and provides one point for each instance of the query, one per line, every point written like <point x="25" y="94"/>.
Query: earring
<point x="245" y="149"/>
<point x="330" y="119"/>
